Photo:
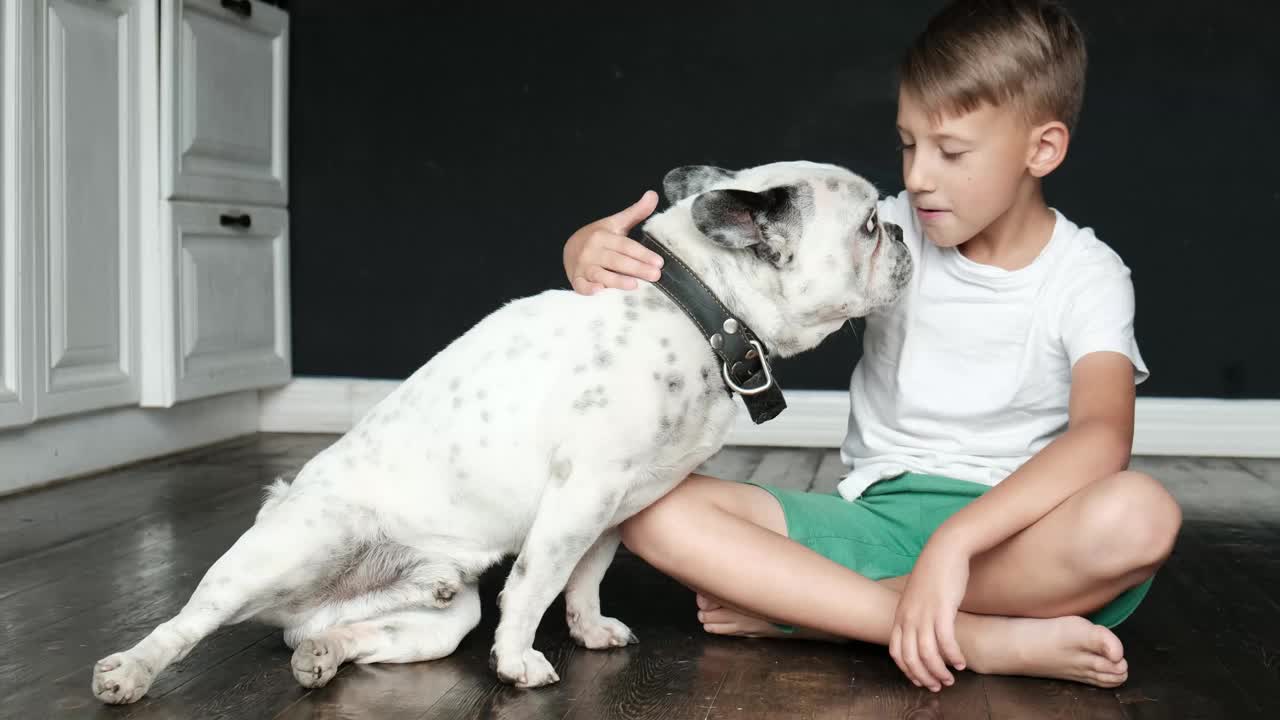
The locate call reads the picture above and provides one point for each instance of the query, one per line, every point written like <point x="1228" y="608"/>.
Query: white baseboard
<point x="817" y="418"/>
<point x="74" y="445"/>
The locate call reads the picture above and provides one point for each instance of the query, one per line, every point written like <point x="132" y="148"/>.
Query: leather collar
<point x="744" y="358"/>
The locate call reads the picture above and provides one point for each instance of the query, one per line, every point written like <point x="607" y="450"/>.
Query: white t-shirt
<point x="968" y="374"/>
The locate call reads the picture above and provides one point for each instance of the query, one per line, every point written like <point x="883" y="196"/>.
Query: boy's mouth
<point x="927" y="213"/>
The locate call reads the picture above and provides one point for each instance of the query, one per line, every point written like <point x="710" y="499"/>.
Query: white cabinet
<point x="216" y="293"/>
<point x="229" y="326"/>
<point x="88" y="174"/>
<point x="223" y="124"/>
<point x="17" y="350"/>
<point x="136" y="136"/>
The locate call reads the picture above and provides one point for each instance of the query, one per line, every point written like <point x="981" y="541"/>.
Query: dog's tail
<point x="273" y="495"/>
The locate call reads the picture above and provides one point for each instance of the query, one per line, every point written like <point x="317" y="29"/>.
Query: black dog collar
<point x="744" y="359"/>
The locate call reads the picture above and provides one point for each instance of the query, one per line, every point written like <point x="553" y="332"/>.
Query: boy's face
<point x="962" y="172"/>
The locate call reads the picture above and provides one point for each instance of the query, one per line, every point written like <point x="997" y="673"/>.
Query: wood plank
<point x="257" y="682"/>
<point x="732" y="463"/>
<point x="831" y="470"/>
<point x="1179" y="642"/>
<point x="1173" y="671"/>
<point x="774" y="679"/>
<point x="110" y="611"/>
<point x="1015" y="698"/>
<point x="390" y="692"/>
<point x="1226" y="554"/>
<point x="789" y="468"/>
<point x="880" y="690"/>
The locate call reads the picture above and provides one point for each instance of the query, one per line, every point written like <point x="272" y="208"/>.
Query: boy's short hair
<point x="1029" y="53"/>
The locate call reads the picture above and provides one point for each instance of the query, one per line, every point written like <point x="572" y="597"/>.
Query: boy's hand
<point x="600" y="255"/>
<point x="924" y="628"/>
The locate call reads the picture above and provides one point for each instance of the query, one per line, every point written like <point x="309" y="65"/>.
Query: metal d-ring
<point x="768" y="376"/>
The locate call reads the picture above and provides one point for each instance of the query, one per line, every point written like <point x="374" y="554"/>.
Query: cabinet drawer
<point x="227" y="293"/>
<point x="223" y="104"/>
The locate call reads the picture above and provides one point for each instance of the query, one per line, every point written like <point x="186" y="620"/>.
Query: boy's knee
<point x="651" y="532"/>
<point x="1130" y="525"/>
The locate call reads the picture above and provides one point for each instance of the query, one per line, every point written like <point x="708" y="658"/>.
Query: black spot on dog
<point x="454" y="383"/>
<point x="591" y="397"/>
<point x="675" y="383"/>
<point x="603" y="359"/>
<point x="629" y="300"/>
<point x="626" y="465"/>
<point x="671" y="358"/>
<point x="561" y="469"/>
<point x="579" y="369"/>
<point x="480" y="394"/>
<point x="664" y="342"/>
<point x="484" y="442"/>
<point x="484" y="416"/>
<point x="658" y="301"/>
<point x="457" y="402"/>
<point x="833" y="184"/>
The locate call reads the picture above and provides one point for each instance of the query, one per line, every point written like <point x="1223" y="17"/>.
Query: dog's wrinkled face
<point x="807" y="232"/>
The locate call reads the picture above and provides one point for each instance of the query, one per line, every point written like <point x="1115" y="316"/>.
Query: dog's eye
<point x="871" y="222"/>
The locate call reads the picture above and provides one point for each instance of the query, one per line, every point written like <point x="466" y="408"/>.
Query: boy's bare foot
<point x="721" y="619"/>
<point x="1065" y="648"/>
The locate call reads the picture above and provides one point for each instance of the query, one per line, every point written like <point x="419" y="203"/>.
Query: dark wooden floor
<point x="89" y="567"/>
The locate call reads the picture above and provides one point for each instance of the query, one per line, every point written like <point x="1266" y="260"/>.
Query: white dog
<point x="537" y="432"/>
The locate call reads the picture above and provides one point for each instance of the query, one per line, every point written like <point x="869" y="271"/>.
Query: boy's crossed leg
<point x="1029" y="590"/>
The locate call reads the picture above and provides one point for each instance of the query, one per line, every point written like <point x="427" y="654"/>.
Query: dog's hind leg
<point x="278" y="553"/>
<point x="400" y="637"/>
<point x="582" y="599"/>
<point x="570" y="519"/>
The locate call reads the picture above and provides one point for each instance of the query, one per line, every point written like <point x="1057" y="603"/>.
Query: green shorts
<point x="880" y="534"/>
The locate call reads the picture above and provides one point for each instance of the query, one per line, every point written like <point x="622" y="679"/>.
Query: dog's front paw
<point x="527" y="669"/>
<point x="600" y="633"/>
<point x="120" y="679"/>
<point x="316" y="661"/>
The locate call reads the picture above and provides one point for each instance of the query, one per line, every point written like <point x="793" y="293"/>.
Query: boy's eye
<point x="952" y="155"/>
<point x="905" y="146"/>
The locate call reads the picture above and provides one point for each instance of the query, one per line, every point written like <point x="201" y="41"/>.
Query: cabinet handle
<point x="241" y="220"/>
<point x="243" y="8"/>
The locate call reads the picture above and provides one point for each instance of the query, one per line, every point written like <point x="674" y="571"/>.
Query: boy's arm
<point x="1096" y="445"/>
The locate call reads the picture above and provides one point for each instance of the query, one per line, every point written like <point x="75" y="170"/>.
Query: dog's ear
<point x="737" y="219"/>
<point x="688" y="180"/>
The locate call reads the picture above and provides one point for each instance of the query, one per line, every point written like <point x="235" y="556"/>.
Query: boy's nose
<point x="915" y="177"/>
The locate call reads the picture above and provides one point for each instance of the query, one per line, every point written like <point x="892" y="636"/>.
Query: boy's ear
<point x="734" y="219"/>
<point x="1048" y="148"/>
<point x="689" y="180"/>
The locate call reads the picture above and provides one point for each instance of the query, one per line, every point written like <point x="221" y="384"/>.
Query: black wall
<point x="441" y="155"/>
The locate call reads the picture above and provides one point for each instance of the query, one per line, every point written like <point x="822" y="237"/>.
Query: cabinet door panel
<point x="88" y="250"/>
<point x="224" y="102"/>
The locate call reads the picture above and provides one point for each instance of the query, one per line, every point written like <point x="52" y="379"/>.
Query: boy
<point x="987" y="507"/>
